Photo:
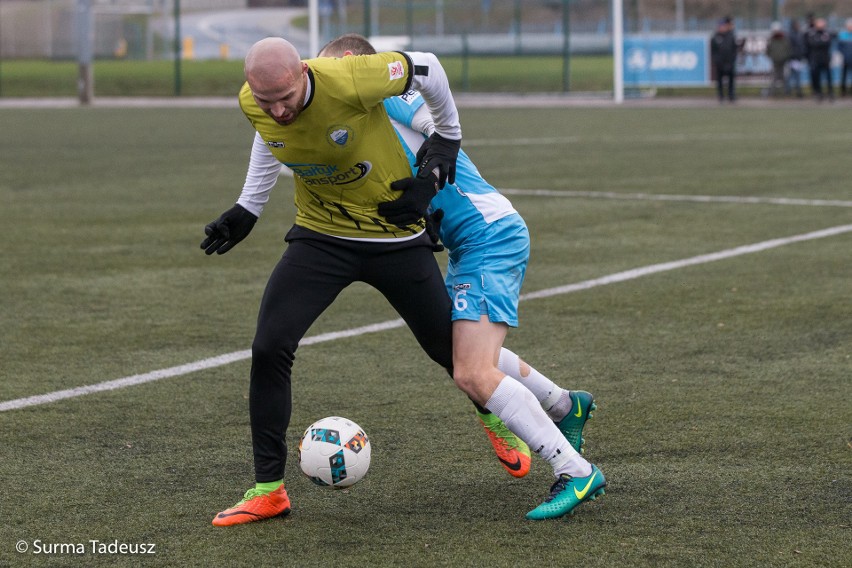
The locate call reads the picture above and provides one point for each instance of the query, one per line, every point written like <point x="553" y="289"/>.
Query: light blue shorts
<point x="485" y="274"/>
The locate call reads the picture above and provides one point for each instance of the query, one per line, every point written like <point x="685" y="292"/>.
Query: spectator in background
<point x="844" y="45"/>
<point x="778" y="49"/>
<point x="797" y="60"/>
<point x="818" y="45"/>
<point x="723" y="52"/>
<point x="811" y="19"/>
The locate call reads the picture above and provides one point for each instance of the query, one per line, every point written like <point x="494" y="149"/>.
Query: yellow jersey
<point x="342" y="149"/>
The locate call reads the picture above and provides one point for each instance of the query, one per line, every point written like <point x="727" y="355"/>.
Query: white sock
<point x="516" y="406"/>
<point x="554" y="400"/>
<point x="562" y="406"/>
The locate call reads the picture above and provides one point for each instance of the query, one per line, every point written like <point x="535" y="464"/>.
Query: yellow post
<point x="121" y="49"/>
<point x="188" y="45"/>
<point x="224" y="50"/>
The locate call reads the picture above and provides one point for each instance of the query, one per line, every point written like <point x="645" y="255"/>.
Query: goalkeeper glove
<point x="411" y="206"/>
<point x="438" y="153"/>
<point x="433" y="229"/>
<point x="230" y="228"/>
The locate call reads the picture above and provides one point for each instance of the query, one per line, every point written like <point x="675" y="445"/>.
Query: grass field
<point x="724" y="389"/>
<point x="25" y="78"/>
<point x="476" y="74"/>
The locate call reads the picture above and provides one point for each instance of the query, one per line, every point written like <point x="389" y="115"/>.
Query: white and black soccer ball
<point x="334" y="452"/>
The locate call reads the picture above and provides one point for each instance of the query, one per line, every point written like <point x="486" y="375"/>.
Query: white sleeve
<point x="431" y="80"/>
<point x="422" y="121"/>
<point x="262" y="174"/>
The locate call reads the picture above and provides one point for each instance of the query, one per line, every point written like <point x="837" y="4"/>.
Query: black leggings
<point x="314" y="269"/>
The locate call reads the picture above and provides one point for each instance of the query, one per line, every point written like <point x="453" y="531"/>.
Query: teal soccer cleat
<point x="567" y="493"/>
<point x="572" y="425"/>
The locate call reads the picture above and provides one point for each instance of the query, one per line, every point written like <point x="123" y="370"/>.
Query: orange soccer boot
<point x="256" y="505"/>
<point x="513" y="453"/>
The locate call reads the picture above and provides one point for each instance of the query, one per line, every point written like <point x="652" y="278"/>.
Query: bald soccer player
<point x="324" y="119"/>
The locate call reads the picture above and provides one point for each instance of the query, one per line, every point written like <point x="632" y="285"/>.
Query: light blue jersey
<point x="487" y="239"/>
<point x="471" y="203"/>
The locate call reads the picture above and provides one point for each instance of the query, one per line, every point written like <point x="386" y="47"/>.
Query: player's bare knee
<point x="466" y="380"/>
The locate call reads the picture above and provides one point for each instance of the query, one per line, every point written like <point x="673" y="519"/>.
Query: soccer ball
<point x="334" y="452"/>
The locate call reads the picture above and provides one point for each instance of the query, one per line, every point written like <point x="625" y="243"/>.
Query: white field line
<point x="392" y="324"/>
<point x="544" y="141"/>
<point x="210" y="363"/>
<point x="692" y="198"/>
<point x="652" y="138"/>
<point x="700" y="259"/>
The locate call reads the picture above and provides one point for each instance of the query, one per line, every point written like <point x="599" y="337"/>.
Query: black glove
<point x="441" y="153"/>
<point x="433" y="229"/>
<point x="411" y="206"/>
<point x="230" y="228"/>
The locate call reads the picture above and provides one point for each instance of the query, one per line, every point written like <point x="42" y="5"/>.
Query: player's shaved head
<point x="277" y="78"/>
<point x="271" y="59"/>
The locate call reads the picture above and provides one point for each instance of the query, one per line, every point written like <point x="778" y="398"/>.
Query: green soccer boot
<point x="572" y="425"/>
<point x="567" y="493"/>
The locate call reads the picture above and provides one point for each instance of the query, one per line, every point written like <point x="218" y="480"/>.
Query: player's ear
<point x="347" y="52"/>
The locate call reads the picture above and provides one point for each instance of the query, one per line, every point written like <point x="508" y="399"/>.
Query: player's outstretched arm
<point x="236" y="223"/>
<point x="438" y="154"/>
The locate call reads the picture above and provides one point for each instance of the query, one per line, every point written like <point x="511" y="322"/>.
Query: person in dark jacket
<point x="797" y="60"/>
<point x="778" y="49"/>
<point x="723" y="52"/>
<point x="818" y="45"/>
<point x="844" y="45"/>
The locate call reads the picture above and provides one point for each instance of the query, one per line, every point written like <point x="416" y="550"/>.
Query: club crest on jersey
<point x="339" y="135"/>
<point x="396" y="70"/>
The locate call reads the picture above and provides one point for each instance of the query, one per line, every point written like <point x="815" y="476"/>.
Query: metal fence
<point x="145" y="29"/>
